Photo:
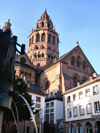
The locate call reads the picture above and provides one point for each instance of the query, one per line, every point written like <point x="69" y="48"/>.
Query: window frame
<point x="47" y="104"/>
<point x="97" y="90"/>
<point x="81" y="95"/>
<point x="73" y="97"/>
<point x="73" y="111"/>
<point x="87" y="92"/>
<point x="80" y="110"/>
<point x="87" y="108"/>
<point x="38" y="99"/>
<point x="95" y="106"/>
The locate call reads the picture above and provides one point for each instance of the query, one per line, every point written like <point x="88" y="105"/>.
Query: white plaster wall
<point x="59" y="109"/>
<point x="42" y="102"/>
<point x="91" y="99"/>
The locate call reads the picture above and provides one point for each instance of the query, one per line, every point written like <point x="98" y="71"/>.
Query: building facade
<point x="47" y="73"/>
<point x="82" y="108"/>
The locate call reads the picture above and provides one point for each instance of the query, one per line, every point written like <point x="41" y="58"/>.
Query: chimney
<point x="78" y="83"/>
<point x="94" y="75"/>
<point x="90" y="78"/>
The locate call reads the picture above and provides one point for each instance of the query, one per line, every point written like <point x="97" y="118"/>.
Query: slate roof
<point x="66" y="76"/>
<point x="35" y="88"/>
<point x="20" y="63"/>
<point x="56" y="96"/>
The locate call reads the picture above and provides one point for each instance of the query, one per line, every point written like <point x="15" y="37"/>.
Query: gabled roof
<point x="66" y="55"/>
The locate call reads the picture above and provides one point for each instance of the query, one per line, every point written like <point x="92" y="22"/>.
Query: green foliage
<point x="20" y="86"/>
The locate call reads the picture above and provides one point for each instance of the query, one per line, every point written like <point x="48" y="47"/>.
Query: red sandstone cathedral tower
<point x="43" y="43"/>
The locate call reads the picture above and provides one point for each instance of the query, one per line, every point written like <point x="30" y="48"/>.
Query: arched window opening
<point x="38" y="65"/>
<point x="53" y="50"/>
<point x="35" y="55"/>
<point x="47" y="85"/>
<point x="51" y="57"/>
<point x="75" y="79"/>
<point x="42" y="24"/>
<point x="29" y="42"/>
<point x="38" y="38"/>
<point x="74" y="82"/>
<point x="84" y="65"/>
<point x="73" y="61"/>
<point x="79" y="61"/>
<point x="49" y="38"/>
<point x="43" y="47"/>
<point x="71" y="129"/>
<point x="48" y="25"/>
<point x="43" y="37"/>
<point x="79" y="128"/>
<point x="48" y="56"/>
<point x="53" y="41"/>
<point x="36" y="47"/>
<point x="42" y="54"/>
<point x="33" y="39"/>
<point x="84" y="79"/>
<point x="88" y="128"/>
<point x="49" y="48"/>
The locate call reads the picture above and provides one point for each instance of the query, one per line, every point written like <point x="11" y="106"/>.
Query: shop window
<point x="79" y="128"/>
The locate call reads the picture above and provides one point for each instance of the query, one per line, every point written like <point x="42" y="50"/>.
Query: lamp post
<point x="95" y="118"/>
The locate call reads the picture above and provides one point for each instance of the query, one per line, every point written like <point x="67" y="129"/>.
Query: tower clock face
<point x="41" y="32"/>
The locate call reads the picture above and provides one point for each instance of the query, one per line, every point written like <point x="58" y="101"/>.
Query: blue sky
<point x="74" y="20"/>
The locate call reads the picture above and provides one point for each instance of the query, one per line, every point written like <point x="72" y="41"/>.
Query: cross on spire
<point x="77" y="43"/>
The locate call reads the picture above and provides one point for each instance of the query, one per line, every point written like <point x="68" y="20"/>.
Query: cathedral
<point x="42" y="68"/>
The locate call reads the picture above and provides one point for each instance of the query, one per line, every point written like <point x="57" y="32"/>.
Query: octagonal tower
<point x="43" y="43"/>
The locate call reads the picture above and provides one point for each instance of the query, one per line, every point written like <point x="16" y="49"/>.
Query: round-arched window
<point x="47" y="85"/>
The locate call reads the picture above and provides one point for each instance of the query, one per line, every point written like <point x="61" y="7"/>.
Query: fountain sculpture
<point x="7" y="58"/>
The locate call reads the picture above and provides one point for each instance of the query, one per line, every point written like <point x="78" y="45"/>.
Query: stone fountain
<point x="7" y="58"/>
